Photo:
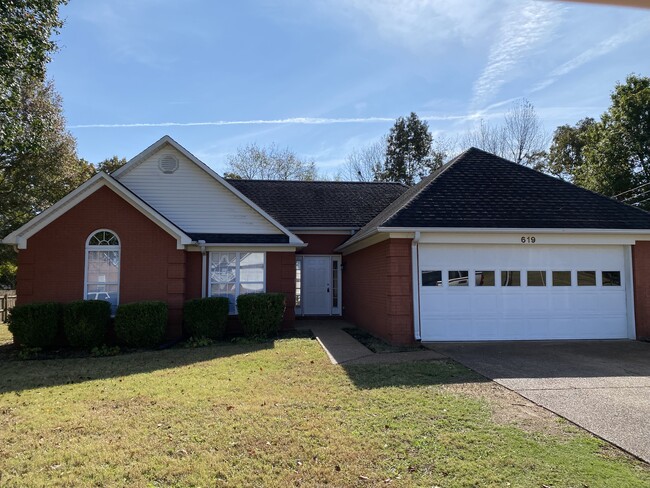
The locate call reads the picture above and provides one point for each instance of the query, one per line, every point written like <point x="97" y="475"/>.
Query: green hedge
<point x="141" y="324"/>
<point x="206" y="317"/>
<point x="85" y="322"/>
<point x="35" y="324"/>
<point x="261" y="314"/>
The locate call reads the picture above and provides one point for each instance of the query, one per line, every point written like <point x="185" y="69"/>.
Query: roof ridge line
<point x="319" y="181"/>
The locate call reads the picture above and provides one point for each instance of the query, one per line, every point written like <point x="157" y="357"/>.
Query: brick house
<point x="483" y="249"/>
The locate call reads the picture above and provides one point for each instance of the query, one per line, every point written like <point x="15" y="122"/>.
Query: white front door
<point x="317" y="289"/>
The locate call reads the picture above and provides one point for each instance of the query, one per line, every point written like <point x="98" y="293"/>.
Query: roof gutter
<point x="415" y="275"/>
<point x="204" y="270"/>
<point x="547" y="230"/>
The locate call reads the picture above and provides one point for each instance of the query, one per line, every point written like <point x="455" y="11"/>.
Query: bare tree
<point x="525" y="134"/>
<point x="521" y="138"/>
<point x="488" y="137"/>
<point x="366" y="164"/>
<point x="269" y="163"/>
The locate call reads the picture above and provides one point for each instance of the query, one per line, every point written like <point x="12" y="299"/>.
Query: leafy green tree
<point x="38" y="161"/>
<point x="408" y="151"/>
<point x="253" y="162"/>
<point x="111" y="164"/>
<point x="612" y="155"/>
<point x="35" y="176"/>
<point x="566" y="153"/>
<point x="26" y="42"/>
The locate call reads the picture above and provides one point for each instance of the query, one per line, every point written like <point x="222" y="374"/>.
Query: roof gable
<point x="20" y="236"/>
<point x="480" y="190"/>
<point x="193" y="196"/>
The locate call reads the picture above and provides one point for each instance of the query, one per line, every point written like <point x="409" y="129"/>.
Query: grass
<point x="278" y="414"/>
<point x="5" y="335"/>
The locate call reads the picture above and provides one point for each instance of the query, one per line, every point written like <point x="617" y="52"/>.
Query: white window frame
<point x="90" y="248"/>
<point x="237" y="274"/>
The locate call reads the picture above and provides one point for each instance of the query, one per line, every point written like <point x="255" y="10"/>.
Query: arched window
<point x="103" y="268"/>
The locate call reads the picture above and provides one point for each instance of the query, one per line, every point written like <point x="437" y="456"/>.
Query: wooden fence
<point x="7" y="302"/>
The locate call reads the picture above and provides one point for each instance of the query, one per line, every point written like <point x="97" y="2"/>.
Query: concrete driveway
<point x="603" y="386"/>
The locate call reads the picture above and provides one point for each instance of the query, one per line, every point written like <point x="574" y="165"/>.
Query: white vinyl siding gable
<point x="193" y="199"/>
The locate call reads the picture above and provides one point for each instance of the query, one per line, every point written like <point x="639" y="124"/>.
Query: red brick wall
<point x="151" y="268"/>
<point x="377" y="290"/>
<point x="281" y="278"/>
<point x="321" y="243"/>
<point x="194" y="275"/>
<point x="641" y="271"/>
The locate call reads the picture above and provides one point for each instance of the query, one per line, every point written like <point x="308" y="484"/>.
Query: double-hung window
<point x="103" y="268"/>
<point x="236" y="273"/>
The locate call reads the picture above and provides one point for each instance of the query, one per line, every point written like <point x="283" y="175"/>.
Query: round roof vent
<point x="168" y="164"/>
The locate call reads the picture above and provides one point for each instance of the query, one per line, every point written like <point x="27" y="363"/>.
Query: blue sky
<point x="324" y="77"/>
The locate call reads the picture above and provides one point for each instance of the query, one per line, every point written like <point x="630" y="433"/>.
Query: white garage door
<point x="505" y="292"/>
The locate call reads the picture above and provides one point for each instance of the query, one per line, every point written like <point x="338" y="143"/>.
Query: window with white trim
<point x="236" y="273"/>
<point x="103" y="268"/>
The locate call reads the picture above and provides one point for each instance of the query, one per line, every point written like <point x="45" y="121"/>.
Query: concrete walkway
<point x="342" y="348"/>
<point x="603" y="386"/>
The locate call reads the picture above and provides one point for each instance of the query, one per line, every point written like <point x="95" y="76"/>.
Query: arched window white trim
<point x="102" y="267"/>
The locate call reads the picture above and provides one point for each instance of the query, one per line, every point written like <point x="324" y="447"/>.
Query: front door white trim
<point x="320" y="285"/>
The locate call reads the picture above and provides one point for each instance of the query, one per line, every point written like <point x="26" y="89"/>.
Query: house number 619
<point x="528" y="239"/>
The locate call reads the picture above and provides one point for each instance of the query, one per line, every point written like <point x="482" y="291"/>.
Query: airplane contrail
<point x="291" y="120"/>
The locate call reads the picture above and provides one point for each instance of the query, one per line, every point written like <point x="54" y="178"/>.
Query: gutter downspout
<point x="415" y="255"/>
<point x="203" y="269"/>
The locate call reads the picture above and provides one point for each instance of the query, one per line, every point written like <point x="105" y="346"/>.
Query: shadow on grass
<point x="17" y="375"/>
<point x="411" y="374"/>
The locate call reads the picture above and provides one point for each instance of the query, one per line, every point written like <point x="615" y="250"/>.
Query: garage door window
<point x="561" y="278"/>
<point x="586" y="278"/>
<point x="431" y="278"/>
<point x="536" y="278"/>
<point x="611" y="278"/>
<point x="484" y="278"/>
<point x="510" y="278"/>
<point x="458" y="278"/>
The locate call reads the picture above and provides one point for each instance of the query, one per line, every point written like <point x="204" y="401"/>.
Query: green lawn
<point x="5" y="335"/>
<point x="280" y="414"/>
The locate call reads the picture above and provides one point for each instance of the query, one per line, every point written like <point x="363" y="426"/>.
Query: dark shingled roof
<point x="320" y="203"/>
<point x="240" y="238"/>
<point x="479" y="189"/>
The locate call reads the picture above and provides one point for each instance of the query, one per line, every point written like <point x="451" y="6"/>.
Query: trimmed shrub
<point x="261" y="314"/>
<point x="141" y="324"/>
<point x="85" y="322"/>
<point x="206" y="317"/>
<point x="35" y="324"/>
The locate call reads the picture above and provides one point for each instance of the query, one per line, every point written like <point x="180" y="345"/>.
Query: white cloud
<point x="421" y="23"/>
<point x="524" y="28"/>
<point x="628" y="34"/>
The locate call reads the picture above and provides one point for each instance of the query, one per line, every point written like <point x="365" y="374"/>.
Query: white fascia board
<point x="293" y="239"/>
<point x="324" y="230"/>
<point x="20" y="236"/>
<point x="363" y="243"/>
<point x="245" y="247"/>
<point x="514" y="236"/>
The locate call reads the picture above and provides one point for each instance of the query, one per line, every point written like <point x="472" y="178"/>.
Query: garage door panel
<point x="523" y="312"/>
<point x="512" y="304"/>
<point x="537" y="303"/>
